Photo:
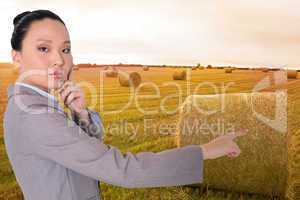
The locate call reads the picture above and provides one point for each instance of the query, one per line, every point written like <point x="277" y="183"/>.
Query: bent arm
<point x="52" y="138"/>
<point x="94" y="127"/>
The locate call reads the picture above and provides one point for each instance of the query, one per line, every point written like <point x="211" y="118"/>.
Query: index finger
<point x="240" y="133"/>
<point x="65" y="85"/>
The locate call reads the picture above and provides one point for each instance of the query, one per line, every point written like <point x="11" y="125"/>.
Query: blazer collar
<point x="34" y="96"/>
<point x="38" y="90"/>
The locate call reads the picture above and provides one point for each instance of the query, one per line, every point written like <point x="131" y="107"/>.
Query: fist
<point x="72" y="96"/>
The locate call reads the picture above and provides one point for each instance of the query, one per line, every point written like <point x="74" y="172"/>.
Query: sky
<point x="172" y="32"/>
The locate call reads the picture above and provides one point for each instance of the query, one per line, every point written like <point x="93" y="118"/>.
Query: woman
<point x="53" y="160"/>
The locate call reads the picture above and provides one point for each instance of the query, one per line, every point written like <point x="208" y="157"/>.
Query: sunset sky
<point x="178" y="32"/>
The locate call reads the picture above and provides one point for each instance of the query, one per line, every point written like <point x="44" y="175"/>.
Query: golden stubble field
<point x="145" y="119"/>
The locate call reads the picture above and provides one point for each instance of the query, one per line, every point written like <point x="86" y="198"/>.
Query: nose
<point x="58" y="60"/>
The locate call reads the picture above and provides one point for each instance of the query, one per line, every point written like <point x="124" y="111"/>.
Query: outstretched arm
<point x="67" y="145"/>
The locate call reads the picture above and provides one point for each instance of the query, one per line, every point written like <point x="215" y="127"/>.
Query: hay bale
<point x="264" y="149"/>
<point x="179" y="75"/>
<point x="145" y="68"/>
<point x="194" y="67"/>
<point x="228" y="70"/>
<point x="111" y="73"/>
<point x="200" y="67"/>
<point x="293" y="183"/>
<point x="292" y="74"/>
<point x="110" y="68"/>
<point x="132" y="79"/>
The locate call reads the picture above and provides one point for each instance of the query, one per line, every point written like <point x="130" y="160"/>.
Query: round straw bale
<point x="133" y="79"/>
<point x="111" y="73"/>
<point x="264" y="149"/>
<point x="145" y="68"/>
<point x="179" y="75"/>
<point x="292" y="191"/>
<point x="228" y="70"/>
<point x="292" y="74"/>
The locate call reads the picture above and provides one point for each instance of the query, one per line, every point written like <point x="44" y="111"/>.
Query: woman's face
<point x="45" y="59"/>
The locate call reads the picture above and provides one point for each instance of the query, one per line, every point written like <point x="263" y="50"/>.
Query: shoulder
<point x="26" y="101"/>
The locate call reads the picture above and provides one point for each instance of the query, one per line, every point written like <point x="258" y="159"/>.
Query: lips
<point x="56" y="74"/>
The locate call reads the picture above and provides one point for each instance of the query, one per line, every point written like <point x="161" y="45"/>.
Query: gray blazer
<point x="54" y="159"/>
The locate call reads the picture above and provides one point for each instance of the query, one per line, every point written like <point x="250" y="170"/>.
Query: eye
<point x="67" y="50"/>
<point x="43" y="49"/>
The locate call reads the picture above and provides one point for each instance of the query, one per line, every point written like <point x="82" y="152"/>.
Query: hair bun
<point x="20" y="16"/>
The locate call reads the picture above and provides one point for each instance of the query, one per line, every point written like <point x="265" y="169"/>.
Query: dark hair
<point x="23" y="21"/>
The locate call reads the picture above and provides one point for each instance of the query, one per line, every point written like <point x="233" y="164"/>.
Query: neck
<point x="35" y="85"/>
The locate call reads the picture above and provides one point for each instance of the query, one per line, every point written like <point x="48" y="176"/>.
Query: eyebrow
<point x="50" y="41"/>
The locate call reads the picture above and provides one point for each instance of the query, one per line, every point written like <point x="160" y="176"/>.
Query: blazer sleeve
<point x="51" y="137"/>
<point x="95" y="128"/>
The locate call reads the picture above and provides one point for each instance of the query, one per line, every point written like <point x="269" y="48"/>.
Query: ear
<point x="16" y="58"/>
